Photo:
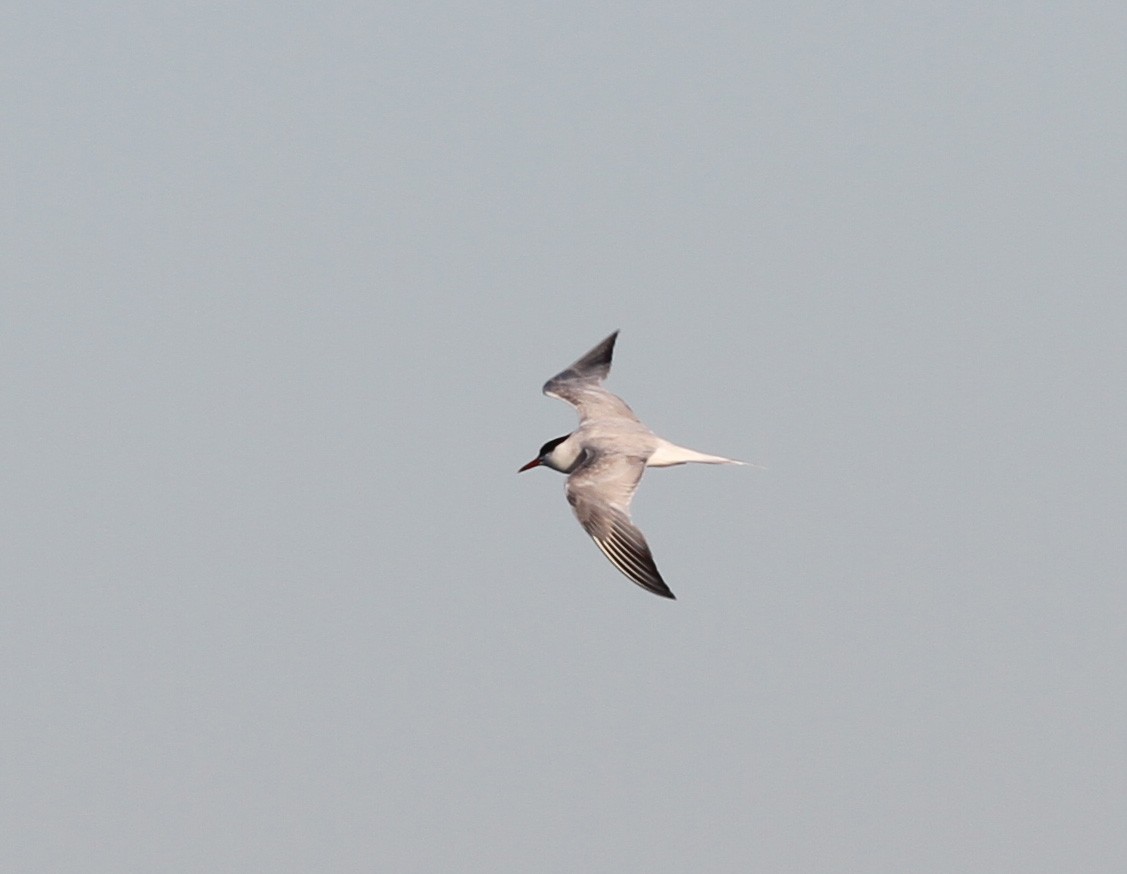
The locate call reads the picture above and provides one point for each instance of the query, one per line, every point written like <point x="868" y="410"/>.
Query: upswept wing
<point x="581" y="385"/>
<point x="600" y="492"/>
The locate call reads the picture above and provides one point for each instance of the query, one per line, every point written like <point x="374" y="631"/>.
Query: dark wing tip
<point x="595" y="365"/>
<point x="601" y="355"/>
<point x="628" y="551"/>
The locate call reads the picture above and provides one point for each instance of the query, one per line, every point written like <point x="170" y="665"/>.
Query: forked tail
<point x="668" y="454"/>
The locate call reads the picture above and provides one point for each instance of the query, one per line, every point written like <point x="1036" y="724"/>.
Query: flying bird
<point x="604" y="459"/>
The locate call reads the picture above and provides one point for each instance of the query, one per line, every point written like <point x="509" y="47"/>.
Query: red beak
<point x="534" y="463"/>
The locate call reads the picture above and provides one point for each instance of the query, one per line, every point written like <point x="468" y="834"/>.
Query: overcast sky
<point x="280" y="287"/>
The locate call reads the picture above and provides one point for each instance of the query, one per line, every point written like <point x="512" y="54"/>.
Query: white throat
<point x="565" y="455"/>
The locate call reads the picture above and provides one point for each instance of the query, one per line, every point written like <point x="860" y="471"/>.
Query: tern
<point x="604" y="459"/>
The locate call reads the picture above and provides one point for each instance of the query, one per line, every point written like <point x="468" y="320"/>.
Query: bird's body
<point x="604" y="459"/>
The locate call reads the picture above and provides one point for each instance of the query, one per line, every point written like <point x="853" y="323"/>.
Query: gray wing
<point x="581" y="385"/>
<point x="599" y="492"/>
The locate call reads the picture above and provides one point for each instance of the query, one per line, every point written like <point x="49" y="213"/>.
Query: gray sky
<point x="281" y="286"/>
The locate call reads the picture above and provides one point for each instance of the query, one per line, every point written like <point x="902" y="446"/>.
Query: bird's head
<point x="553" y="456"/>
